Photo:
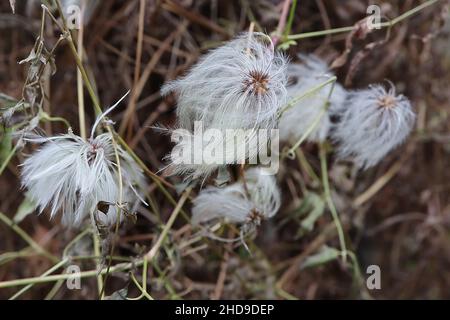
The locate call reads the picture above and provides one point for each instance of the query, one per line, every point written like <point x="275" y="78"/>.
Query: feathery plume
<point x="247" y="202"/>
<point x="72" y="175"/>
<point x="197" y="155"/>
<point x="238" y="85"/>
<point x="374" y="122"/>
<point x="297" y="120"/>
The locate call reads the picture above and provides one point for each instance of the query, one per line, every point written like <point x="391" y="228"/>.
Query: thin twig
<point x="154" y="250"/>
<point x="46" y="273"/>
<point x="80" y="91"/>
<point x="327" y="191"/>
<point x="390" y="23"/>
<point x="129" y="115"/>
<point x="281" y="22"/>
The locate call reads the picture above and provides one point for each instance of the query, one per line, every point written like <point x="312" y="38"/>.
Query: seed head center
<point x="255" y="217"/>
<point x="257" y="82"/>
<point x="92" y="153"/>
<point x="387" y="101"/>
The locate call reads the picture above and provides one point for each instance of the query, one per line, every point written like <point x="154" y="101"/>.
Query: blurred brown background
<point x="403" y="226"/>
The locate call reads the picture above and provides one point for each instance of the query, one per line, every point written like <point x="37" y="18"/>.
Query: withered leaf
<point x="103" y="206"/>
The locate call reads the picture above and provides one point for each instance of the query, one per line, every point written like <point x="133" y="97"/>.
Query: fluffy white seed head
<point x="248" y="203"/>
<point x="71" y="175"/>
<point x="311" y="110"/>
<point x="374" y="122"/>
<point x="238" y="85"/>
<point x="199" y="154"/>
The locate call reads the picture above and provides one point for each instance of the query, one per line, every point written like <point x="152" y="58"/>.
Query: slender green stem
<point x="320" y="33"/>
<point x="96" y="242"/>
<point x="46" y="273"/>
<point x="41" y="33"/>
<point x="115" y="258"/>
<point x="9" y="256"/>
<point x="57" y="277"/>
<point x="306" y="94"/>
<point x="55" y="21"/>
<point x="281" y="27"/>
<point x="142" y="288"/>
<point x="144" y="293"/>
<point x="80" y="91"/>
<point x="87" y="82"/>
<point x="119" y="211"/>
<point x="59" y="283"/>
<point x="46" y="117"/>
<point x="291" y="151"/>
<point x="288" y="28"/>
<point x="160" y="183"/>
<point x="408" y="13"/>
<point x="326" y="187"/>
<point x="8" y="159"/>
<point x="356" y="269"/>
<point x="144" y="275"/>
<point x="172" y="293"/>
<point x="390" y="23"/>
<point x="152" y="253"/>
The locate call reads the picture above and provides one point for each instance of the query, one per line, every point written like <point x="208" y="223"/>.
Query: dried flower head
<point x="73" y="175"/>
<point x="249" y="201"/>
<point x="310" y="111"/>
<point x="81" y="177"/>
<point x="238" y="85"/>
<point x="374" y="122"/>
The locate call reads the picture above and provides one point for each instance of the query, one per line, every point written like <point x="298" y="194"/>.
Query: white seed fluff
<point x="71" y="175"/>
<point x="234" y="203"/>
<point x="311" y="110"/>
<point x="238" y="85"/>
<point x="374" y="122"/>
<point x="198" y="155"/>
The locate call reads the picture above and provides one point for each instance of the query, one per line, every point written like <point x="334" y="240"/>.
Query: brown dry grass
<point x="403" y="226"/>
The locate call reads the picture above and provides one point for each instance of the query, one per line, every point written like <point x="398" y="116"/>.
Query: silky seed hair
<point x="374" y="122"/>
<point x="72" y="175"/>
<point x="247" y="203"/>
<point x="297" y="120"/>
<point x="238" y="85"/>
<point x="191" y="171"/>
